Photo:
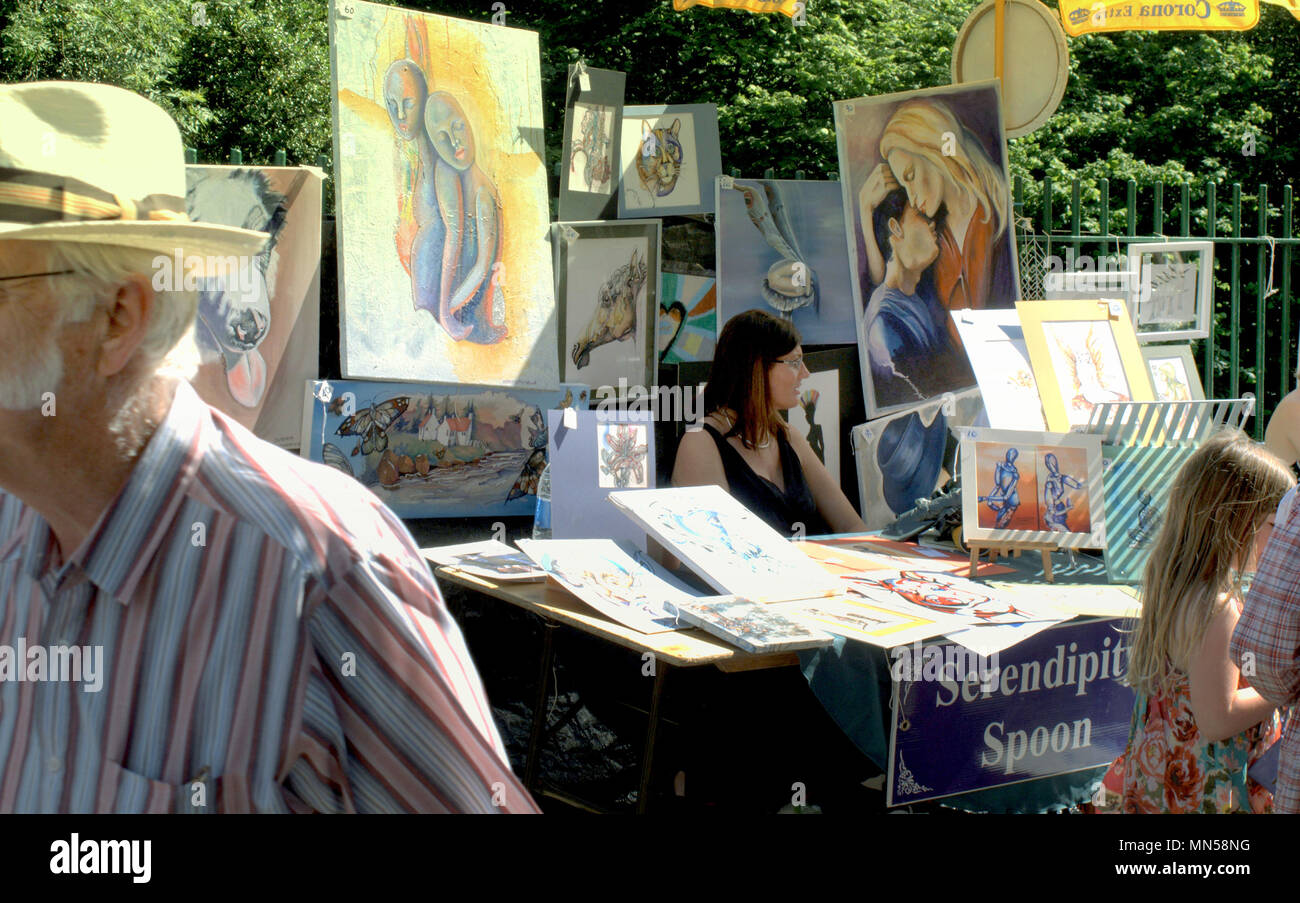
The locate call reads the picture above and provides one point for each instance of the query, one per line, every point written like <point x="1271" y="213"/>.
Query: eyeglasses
<point x="36" y="275"/>
<point x="795" y="364"/>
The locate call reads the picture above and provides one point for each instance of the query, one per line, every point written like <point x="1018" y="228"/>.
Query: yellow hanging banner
<point x="1087" y="16"/>
<point x="790" y="8"/>
<point x="1291" y="6"/>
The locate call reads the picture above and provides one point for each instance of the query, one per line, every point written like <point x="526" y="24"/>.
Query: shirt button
<point x="53" y="764"/>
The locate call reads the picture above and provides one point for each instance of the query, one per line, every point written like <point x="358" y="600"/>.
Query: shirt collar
<point x="120" y="547"/>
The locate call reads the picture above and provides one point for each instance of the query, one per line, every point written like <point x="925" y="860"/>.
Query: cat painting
<point x="660" y="161"/>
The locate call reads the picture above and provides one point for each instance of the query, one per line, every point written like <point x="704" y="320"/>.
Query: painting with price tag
<point x="444" y="269"/>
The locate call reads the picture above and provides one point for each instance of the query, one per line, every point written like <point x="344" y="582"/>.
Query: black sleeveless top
<point x="781" y="510"/>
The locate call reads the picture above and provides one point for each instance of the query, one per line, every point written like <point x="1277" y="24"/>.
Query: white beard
<point x="28" y="374"/>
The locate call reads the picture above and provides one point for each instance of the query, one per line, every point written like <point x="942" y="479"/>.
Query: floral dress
<point x="1169" y="767"/>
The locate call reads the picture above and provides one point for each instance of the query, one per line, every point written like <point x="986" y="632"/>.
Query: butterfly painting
<point x="372" y="424"/>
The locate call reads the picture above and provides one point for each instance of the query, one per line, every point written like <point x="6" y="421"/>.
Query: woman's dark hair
<point x="748" y="345"/>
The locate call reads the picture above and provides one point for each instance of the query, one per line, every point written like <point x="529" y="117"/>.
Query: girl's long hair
<point x="919" y="126"/>
<point x="1220" y="498"/>
<point x="747" y="346"/>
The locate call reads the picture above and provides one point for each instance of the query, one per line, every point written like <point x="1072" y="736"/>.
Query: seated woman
<point x="745" y="446"/>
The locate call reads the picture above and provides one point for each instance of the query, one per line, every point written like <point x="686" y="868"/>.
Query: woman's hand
<point x="873" y="192"/>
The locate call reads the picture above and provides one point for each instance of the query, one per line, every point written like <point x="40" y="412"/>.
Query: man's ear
<point x="895" y="228"/>
<point x="129" y="313"/>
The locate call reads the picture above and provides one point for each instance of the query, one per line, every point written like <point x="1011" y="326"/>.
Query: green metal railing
<point x="1265" y="366"/>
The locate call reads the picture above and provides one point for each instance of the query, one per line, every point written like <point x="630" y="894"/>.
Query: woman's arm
<point x="878" y="185"/>
<point x="1282" y="437"/>
<point x="831" y="502"/>
<point x="698" y="462"/>
<point x="1221" y="710"/>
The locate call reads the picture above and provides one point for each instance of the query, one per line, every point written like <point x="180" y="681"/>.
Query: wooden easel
<point x="1011" y="549"/>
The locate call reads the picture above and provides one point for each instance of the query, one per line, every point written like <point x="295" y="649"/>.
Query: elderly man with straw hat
<point x="190" y="619"/>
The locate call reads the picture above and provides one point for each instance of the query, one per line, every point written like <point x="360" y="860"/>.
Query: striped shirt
<point x="1266" y="643"/>
<point x="269" y="640"/>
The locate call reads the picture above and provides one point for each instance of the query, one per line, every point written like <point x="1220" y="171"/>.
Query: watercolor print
<point x="435" y="450"/>
<point x="621" y="583"/>
<point x="995" y="345"/>
<point x="1087" y="365"/>
<point x="1173" y="372"/>
<point x="660" y="161"/>
<point x="247" y="317"/>
<point x="591" y="149"/>
<point x="1033" y="487"/>
<point x="1137" y="483"/>
<point x="688" y="318"/>
<point x="608" y="276"/>
<point x="907" y="455"/>
<point x="445" y="273"/>
<point x="781" y="249"/>
<point x="486" y="558"/>
<point x="928" y="210"/>
<point x="726" y="544"/>
<point x="622" y="448"/>
<point x="753" y="626"/>
<point x="817" y="418"/>
<point x="856" y="619"/>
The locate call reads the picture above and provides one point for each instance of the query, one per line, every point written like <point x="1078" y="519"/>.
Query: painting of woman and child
<point x="929" y="231"/>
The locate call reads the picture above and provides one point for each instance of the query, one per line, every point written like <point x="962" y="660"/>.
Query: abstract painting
<point x="728" y="546"/>
<point x="444" y="270"/>
<point x="607" y="281"/>
<point x="1175" y="294"/>
<point x="1084" y="354"/>
<point x="435" y="450"/>
<point x="587" y="461"/>
<point x="668" y="159"/>
<point x="1033" y="487"/>
<point x="908" y="455"/>
<point x="593" y="118"/>
<point x="1137" y="482"/>
<point x="258" y="328"/>
<point x="620" y="582"/>
<point x="927" y="216"/>
<point x="781" y="249"/>
<point x="995" y="345"/>
<point x="1173" y="372"/>
<point x="688" y="317"/>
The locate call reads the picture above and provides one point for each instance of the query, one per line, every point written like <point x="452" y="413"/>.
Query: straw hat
<point x="98" y="164"/>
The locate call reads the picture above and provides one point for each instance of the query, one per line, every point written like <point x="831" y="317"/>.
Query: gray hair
<point x="168" y="347"/>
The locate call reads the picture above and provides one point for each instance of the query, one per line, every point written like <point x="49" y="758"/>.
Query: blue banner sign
<point x="1051" y="705"/>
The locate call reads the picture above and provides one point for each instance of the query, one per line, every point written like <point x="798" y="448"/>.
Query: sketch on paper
<point x="623" y="448"/>
<point x="668" y="158"/>
<point x="618" y="581"/>
<point x="614" y="318"/>
<point x="435" y="450"/>
<point x="726" y="544"/>
<point x="995" y="345"/>
<point x="257" y="326"/>
<point x="444" y="270"/>
<point x="591" y="158"/>
<point x="1088" y="369"/>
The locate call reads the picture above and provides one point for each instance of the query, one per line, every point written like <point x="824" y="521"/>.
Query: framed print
<point x="1173" y="372"/>
<point x="1084" y="354"/>
<point x="781" y="249"/>
<point x="444" y="270"/>
<point x="607" y="285"/>
<point x="1137" y="482"/>
<point x="907" y="455"/>
<point x="1175" y="290"/>
<point x="1044" y="487"/>
<point x="829" y="405"/>
<point x="668" y="159"/>
<point x="435" y="450"/>
<point x="995" y="346"/>
<point x="593" y="120"/>
<point x="688" y="295"/>
<point x="607" y="450"/>
<point x="925" y="172"/>
<point x="258" y="333"/>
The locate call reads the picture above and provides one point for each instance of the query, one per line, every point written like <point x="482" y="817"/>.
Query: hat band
<point x="38" y="197"/>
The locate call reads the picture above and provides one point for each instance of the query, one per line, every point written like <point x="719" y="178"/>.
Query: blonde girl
<point x="1196" y="725"/>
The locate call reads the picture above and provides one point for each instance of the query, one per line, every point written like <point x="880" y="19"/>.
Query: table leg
<point x="974" y="558"/>
<point x="652" y="729"/>
<point x="1047" y="565"/>
<point x="539" y="706"/>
